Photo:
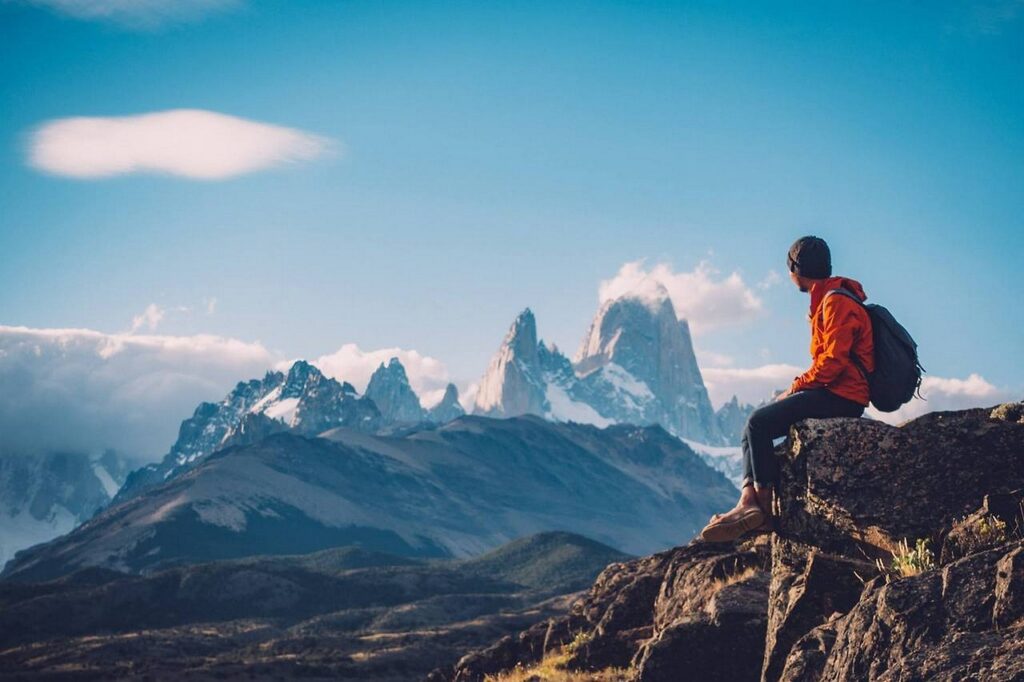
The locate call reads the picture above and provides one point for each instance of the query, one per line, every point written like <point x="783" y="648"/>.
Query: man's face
<point x="798" y="281"/>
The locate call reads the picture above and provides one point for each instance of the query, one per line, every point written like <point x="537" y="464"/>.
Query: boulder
<point x="857" y="487"/>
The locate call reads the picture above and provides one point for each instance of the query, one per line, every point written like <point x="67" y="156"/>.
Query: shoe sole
<point x="728" y="531"/>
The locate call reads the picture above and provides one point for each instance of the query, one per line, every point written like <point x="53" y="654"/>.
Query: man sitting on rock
<point x="834" y="386"/>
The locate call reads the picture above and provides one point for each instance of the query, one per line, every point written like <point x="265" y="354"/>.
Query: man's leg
<point x="773" y="421"/>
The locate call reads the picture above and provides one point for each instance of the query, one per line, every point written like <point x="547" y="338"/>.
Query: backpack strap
<point x="849" y="294"/>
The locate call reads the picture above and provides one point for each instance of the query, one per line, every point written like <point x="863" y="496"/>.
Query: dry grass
<point x="552" y="668"/>
<point x="736" y="577"/>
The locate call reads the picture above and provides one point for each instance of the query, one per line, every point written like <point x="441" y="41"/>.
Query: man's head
<point x="809" y="259"/>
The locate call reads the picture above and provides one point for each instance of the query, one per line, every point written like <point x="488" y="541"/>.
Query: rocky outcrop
<point x="858" y="486"/>
<point x="823" y="598"/>
<point x="807" y="587"/>
<point x="648" y="614"/>
<point x="963" y="621"/>
<point x="390" y="391"/>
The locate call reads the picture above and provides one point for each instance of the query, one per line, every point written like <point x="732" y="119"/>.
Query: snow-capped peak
<point x="636" y="365"/>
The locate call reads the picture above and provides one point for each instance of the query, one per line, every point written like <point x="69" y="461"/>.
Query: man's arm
<point x="841" y="324"/>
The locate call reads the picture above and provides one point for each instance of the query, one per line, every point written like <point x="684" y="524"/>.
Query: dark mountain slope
<point x="344" y="612"/>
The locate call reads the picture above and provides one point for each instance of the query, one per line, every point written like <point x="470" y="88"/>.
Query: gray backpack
<point x="897" y="375"/>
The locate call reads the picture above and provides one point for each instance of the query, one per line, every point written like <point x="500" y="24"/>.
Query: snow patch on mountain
<point x="283" y="410"/>
<point x="727" y="459"/>
<point x="110" y="486"/>
<point x="563" y="408"/>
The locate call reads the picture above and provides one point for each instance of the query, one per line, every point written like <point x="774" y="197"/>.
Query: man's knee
<point x="769" y="419"/>
<point x="758" y="419"/>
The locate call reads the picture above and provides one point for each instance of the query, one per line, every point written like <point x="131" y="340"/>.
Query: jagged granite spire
<point x="514" y="384"/>
<point x="449" y="407"/>
<point x="389" y="389"/>
<point x="644" y="337"/>
<point x="732" y="418"/>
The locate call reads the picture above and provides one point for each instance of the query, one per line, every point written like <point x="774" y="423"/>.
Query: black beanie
<point x="809" y="257"/>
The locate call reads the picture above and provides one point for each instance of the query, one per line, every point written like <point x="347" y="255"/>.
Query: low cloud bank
<point x="85" y="391"/>
<point x="748" y="384"/>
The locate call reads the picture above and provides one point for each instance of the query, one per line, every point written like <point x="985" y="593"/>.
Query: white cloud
<point x="190" y="143"/>
<point x="749" y="384"/>
<point x="149" y="318"/>
<point x="754" y="384"/>
<point x="211" y="305"/>
<point x="467" y="397"/>
<point x="770" y="280"/>
<point x="701" y="297"/>
<point x="947" y="394"/>
<point x="707" y="358"/>
<point x="83" y="390"/>
<point x="136" y="13"/>
<point x="428" y="376"/>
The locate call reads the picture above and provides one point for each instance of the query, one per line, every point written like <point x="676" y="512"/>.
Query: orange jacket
<point x="839" y="325"/>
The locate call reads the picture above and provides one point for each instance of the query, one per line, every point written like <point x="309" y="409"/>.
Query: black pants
<point x="773" y="421"/>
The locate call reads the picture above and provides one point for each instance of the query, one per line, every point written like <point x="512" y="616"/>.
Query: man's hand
<point x="785" y="394"/>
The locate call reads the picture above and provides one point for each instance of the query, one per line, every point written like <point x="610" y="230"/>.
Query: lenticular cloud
<point x="191" y="143"/>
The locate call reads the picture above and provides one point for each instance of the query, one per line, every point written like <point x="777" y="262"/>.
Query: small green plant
<point x="906" y="561"/>
<point x="976" y="533"/>
<point x="992" y="529"/>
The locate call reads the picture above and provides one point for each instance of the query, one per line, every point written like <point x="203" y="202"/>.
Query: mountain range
<point x="635" y="365"/>
<point x="454" y="490"/>
<point x="302" y="401"/>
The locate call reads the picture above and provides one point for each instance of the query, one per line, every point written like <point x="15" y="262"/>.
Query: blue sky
<point x="492" y="156"/>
